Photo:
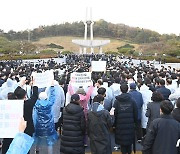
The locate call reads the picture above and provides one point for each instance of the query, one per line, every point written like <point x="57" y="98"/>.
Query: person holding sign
<point x="7" y="141"/>
<point x="84" y="98"/>
<point x="28" y="106"/>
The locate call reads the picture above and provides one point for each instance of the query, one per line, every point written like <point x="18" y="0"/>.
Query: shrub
<point x="124" y="50"/>
<point x="111" y="52"/>
<point x="52" y="45"/>
<point x="172" y="60"/>
<point x="67" y="52"/>
<point x="126" y="46"/>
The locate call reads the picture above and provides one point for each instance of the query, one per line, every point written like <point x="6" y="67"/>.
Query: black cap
<point x="75" y="98"/>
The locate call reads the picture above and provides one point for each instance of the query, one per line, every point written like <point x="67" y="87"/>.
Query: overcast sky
<point x="162" y="16"/>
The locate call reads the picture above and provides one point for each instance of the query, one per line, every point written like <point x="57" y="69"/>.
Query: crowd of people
<point x="137" y="103"/>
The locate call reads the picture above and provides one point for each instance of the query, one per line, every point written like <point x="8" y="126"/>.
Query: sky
<point x="162" y="16"/>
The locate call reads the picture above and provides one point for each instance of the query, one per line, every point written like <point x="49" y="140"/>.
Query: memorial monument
<point x="90" y="43"/>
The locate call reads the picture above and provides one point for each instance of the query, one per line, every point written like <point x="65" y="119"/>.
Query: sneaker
<point x="139" y="141"/>
<point x="36" y="151"/>
<point x="116" y="148"/>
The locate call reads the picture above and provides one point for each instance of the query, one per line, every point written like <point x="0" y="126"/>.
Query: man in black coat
<point x="98" y="127"/>
<point x="28" y="107"/>
<point x="163" y="133"/>
<point x="126" y="116"/>
<point x="73" y="128"/>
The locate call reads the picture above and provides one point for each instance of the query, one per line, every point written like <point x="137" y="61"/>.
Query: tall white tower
<point x="88" y="23"/>
<point x="91" y="43"/>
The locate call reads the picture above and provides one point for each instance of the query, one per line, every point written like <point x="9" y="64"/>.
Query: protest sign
<point x="98" y="66"/>
<point x="11" y="112"/>
<point x="43" y="79"/>
<point x="81" y="79"/>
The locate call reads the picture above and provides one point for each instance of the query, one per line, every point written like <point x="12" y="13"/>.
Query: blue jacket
<point x="164" y="91"/>
<point x="137" y="96"/>
<point x="45" y="132"/>
<point x="21" y="144"/>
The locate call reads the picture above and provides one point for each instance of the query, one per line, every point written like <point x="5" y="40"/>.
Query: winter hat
<point x="75" y="98"/>
<point x="81" y="91"/>
<point x="132" y="86"/>
<point x="42" y="96"/>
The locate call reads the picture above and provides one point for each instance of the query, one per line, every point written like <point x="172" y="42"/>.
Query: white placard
<point x="43" y="79"/>
<point x="81" y="79"/>
<point x="11" y="111"/>
<point x="98" y="66"/>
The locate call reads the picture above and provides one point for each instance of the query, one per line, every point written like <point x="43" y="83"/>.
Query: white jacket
<point x="146" y="94"/>
<point x="173" y="97"/>
<point x="59" y="102"/>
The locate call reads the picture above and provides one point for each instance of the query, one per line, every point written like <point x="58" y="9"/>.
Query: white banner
<point x="81" y="79"/>
<point x="11" y="112"/>
<point x="43" y="79"/>
<point x="98" y="66"/>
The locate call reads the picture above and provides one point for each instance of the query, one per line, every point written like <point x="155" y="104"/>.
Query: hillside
<point x="66" y="42"/>
<point x="129" y="40"/>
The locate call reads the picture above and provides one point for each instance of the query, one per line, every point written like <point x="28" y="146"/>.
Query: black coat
<point x="153" y="112"/>
<point x="125" y="118"/>
<point x="162" y="136"/>
<point x="73" y="130"/>
<point x="176" y="114"/>
<point x="28" y="109"/>
<point x="98" y="126"/>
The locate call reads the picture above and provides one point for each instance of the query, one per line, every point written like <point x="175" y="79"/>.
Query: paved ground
<point x="56" y="148"/>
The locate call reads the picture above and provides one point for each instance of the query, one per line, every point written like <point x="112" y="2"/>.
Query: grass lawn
<point x="66" y="42"/>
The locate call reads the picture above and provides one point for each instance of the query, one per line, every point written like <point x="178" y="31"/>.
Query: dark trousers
<point x="144" y="131"/>
<point x="126" y="149"/>
<point x="58" y="124"/>
<point x="6" y="144"/>
<point x="139" y="130"/>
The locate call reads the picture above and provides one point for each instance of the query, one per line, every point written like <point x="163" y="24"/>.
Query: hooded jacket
<point x="58" y="103"/>
<point x="45" y="132"/>
<point x="83" y="98"/>
<point x="98" y="126"/>
<point x="125" y="118"/>
<point x="73" y="130"/>
<point x="7" y="87"/>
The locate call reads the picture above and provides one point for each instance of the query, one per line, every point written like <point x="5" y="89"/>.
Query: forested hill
<point x="101" y="29"/>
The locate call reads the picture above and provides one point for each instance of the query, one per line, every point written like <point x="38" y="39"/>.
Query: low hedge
<point x="67" y="52"/>
<point x="111" y="52"/>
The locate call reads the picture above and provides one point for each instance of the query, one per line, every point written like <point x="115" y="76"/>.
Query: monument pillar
<point x="89" y="43"/>
<point x="100" y="50"/>
<point x="92" y="50"/>
<point x="84" y="50"/>
<point x="85" y="36"/>
<point x="80" y="50"/>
